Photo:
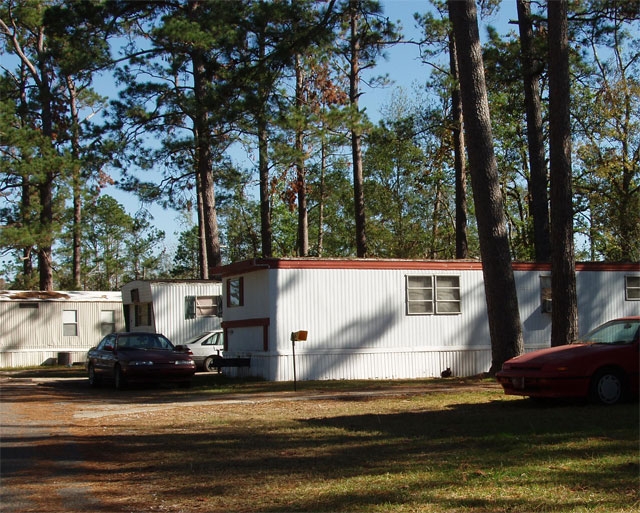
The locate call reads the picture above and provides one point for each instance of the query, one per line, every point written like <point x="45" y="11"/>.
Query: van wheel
<point x="607" y="387"/>
<point x="119" y="378"/>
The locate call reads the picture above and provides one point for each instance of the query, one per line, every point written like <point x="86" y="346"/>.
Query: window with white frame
<point x="70" y="323"/>
<point x="632" y="288"/>
<point x="433" y="295"/>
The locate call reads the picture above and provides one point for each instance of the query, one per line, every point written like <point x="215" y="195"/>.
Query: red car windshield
<point x="616" y="332"/>
<point x="144" y="341"/>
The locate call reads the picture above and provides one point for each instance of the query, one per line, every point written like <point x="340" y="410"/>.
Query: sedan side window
<point x="210" y="340"/>
<point x="109" y="340"/>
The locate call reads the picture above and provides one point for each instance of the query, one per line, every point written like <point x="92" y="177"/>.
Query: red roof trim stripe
<point x="409" y="265"/>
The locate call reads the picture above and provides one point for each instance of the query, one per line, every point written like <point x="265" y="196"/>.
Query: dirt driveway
<point x="46" y="463"/>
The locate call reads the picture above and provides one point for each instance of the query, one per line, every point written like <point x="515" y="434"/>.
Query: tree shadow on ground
<point x="269" y="457"/>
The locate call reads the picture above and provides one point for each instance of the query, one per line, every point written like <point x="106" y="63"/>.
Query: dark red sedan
<point x="601" y="366"/>
<point x="128" y="357"/>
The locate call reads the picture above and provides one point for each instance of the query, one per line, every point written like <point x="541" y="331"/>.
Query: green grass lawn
<point x="456" y="445"/>
<point x="447" y="448"/>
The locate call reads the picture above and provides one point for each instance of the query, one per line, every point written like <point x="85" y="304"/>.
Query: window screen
<point x="419" y="295"/>
<point x="428" y="295"/>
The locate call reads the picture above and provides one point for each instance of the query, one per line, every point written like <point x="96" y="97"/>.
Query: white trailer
<point x="48" y="327"/>
<point x="389" y="319"/>
<point x="179" y="309"/>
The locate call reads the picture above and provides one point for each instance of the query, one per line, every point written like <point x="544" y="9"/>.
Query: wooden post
<point x="296" y="335"/>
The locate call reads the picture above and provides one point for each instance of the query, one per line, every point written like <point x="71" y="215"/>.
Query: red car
<point x="602" y="366"/>
<point x="127" y="357"/>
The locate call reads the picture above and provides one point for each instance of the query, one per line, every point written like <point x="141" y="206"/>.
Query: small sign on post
<point x="296" y="336"/>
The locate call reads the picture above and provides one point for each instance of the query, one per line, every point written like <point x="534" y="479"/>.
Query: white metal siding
<point x="536" y="325"/>
<point x="356" y="309"/>
<point x="168" y="314"/>
<point x="257" y="298"/>
<point x="169" y="309"/>
<point x="259" y="303"/>
<point x="601" y="296"/>
<point x="33" y="336"/>
<point x="358" y="328"/>
<point x="401" y="363"/>
<point x="144" y="297"/>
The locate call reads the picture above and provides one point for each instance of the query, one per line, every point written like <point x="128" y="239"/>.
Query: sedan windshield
<point x="144" y="341"/>
<point x="616" y="332"/>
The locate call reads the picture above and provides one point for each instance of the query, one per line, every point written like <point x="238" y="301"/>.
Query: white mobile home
<point x="179" y="309"/>
<point x="391" y="319"/>
<point x="45" y="327"/>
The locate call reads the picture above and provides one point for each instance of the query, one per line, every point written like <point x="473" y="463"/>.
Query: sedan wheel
<point x="210" y="364"/>
<point x="119" y="378"/>
<point x="607" y="387"/>
<point x="94" y="380"/>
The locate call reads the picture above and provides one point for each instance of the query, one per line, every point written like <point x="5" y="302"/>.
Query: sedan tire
<point x="210" y="364"/>
<point x="607" y="387"/>
<point x="119" y="378"/>
<point x="94" y="380"/>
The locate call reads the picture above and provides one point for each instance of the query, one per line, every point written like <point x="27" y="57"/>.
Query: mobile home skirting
<point x="35" y="357"/>
<point x="402" y="363"/>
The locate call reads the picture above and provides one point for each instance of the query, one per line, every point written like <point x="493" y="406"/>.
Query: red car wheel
<point x="607" y="386"/>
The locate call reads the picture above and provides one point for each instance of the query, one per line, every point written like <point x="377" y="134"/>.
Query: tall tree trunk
<point x="27" y="251"/>
<point x="204" y="158"/>
<point x="323" y="167"/>
<point x="499" y="283"/>
<point x="266" y="230"/>
<point x="564" y="315"/>
<point x="28" y="271"/>
<point x="538" y="181"/>
<point x="356" y="133"/>
<point x="76" y="185"/>
<point x="25" y="191"/>
<point x="45" y="190"/>
<point x="433" y="252"/>
<point x="462" y="245"/>
<point x="203" y="266"/>
<point x="301" y="185"/>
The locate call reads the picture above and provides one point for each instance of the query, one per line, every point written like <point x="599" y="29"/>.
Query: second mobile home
<point x="179" y="309"/>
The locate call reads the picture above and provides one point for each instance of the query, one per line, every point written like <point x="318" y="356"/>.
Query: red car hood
<point x="559" y="354"/>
